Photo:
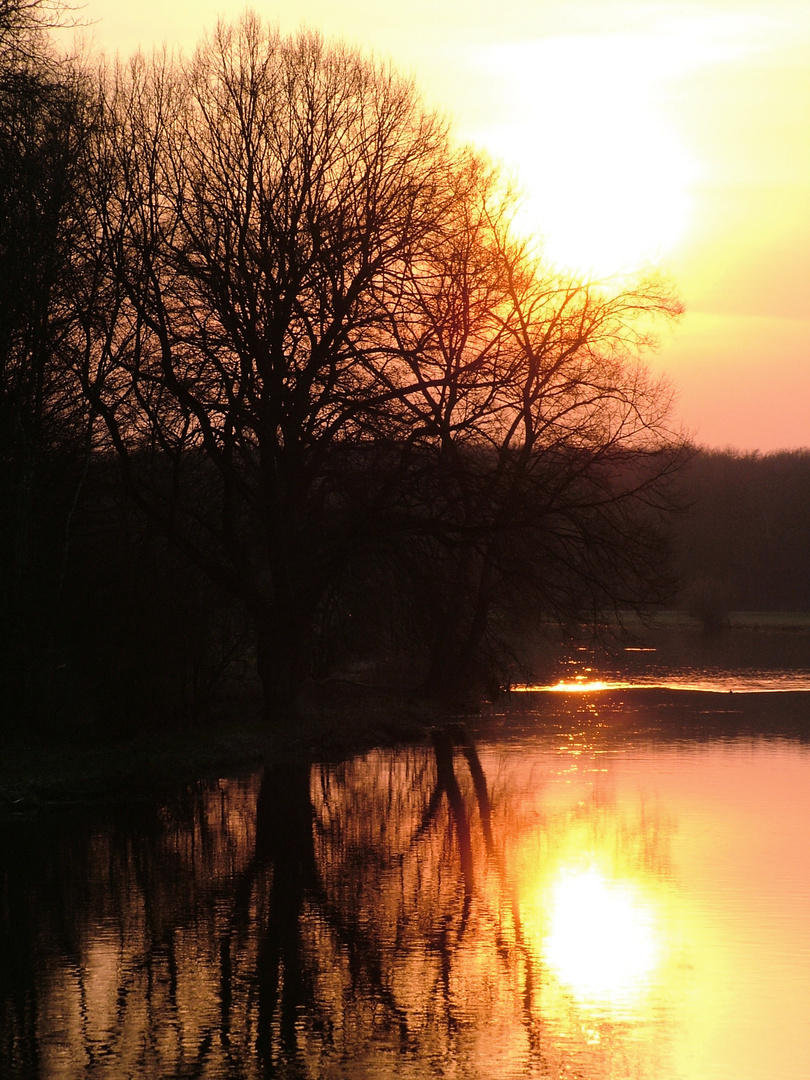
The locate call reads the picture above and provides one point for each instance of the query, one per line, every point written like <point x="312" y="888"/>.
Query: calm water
<point x="743" y="660"/>
<point x="601" y="886"/>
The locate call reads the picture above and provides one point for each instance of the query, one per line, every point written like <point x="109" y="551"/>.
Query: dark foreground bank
<point x="338" y="722"/>
<point x="53" y="771"/>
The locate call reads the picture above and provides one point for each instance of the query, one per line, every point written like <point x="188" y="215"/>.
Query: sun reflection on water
<point x="538" y="909"/>
<point x="585" y="686"/>
<point x="603" y="941"/>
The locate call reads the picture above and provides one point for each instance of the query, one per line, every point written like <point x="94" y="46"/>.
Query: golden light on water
<point x="603" y="942"/>
<point x="584" y="686"/>
<point x="634" y="913"/>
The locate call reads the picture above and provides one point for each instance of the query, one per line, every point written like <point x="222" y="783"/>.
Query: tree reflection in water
<point x="359" y="919"/>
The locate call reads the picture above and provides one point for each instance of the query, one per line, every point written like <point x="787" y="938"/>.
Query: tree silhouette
<point x="43" y="413"/>
<point x="551" y="444"/>
<point x="321" y="349"/>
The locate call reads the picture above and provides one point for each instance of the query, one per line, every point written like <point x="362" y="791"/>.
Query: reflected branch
<point x="446" y="782"/>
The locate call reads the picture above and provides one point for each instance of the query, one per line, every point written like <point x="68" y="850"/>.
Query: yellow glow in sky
<point x="639" y="131"/>
<point x="606" y="176"/>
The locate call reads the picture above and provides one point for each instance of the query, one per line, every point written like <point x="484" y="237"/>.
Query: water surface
<point x="595" y="886"/>
<point x="677" y="658"/>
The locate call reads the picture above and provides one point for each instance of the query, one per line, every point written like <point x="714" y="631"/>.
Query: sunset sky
<point x="672" y="133"/>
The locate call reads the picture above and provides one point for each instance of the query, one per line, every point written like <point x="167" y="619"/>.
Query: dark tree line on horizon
<point x="743" y="543"/>
<point x="283" y="386"/>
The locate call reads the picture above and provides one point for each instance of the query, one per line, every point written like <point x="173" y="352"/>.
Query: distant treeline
<point x="107" y="625"/>
<point x="743" y="540"/>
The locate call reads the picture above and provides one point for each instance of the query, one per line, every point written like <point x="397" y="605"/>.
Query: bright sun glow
<point x="602" y="940"/>
<point x="606" y="176"/>
<point x="584" y="686"/>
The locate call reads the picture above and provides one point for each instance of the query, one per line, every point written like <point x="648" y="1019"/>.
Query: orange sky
<point x="674" y="132"/>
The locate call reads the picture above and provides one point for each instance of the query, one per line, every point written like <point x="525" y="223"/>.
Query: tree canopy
<point x="335" y="373"/>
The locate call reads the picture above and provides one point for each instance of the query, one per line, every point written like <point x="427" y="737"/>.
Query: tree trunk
<point x="285" y="842"/>
<point x="455" y="672"/>
<point x="279" y="662"/>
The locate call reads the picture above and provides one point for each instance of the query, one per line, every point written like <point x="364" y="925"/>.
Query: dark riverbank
<point x="50" y="771"/>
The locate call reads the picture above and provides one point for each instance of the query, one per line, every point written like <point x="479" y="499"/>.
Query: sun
<point x="606" y="178"/>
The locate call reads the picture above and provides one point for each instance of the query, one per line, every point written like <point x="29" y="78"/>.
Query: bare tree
<point x="321" y="344"/>
<point x="24" y="27"/>
<point x="42" y="410"/>
<point x="254" y="206"/>
<point x="550" y="448"/>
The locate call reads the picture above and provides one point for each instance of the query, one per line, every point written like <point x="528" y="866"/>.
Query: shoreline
<point x="48" y="774"/>
<point x="49" y="771"/>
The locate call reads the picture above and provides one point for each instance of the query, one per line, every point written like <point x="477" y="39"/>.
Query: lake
<point x="592" y="883"/>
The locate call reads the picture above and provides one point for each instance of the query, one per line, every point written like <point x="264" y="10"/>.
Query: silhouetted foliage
<point x="23" y="31"/>
<point x="43" y="414"/>
<point x="103" y="622"/>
